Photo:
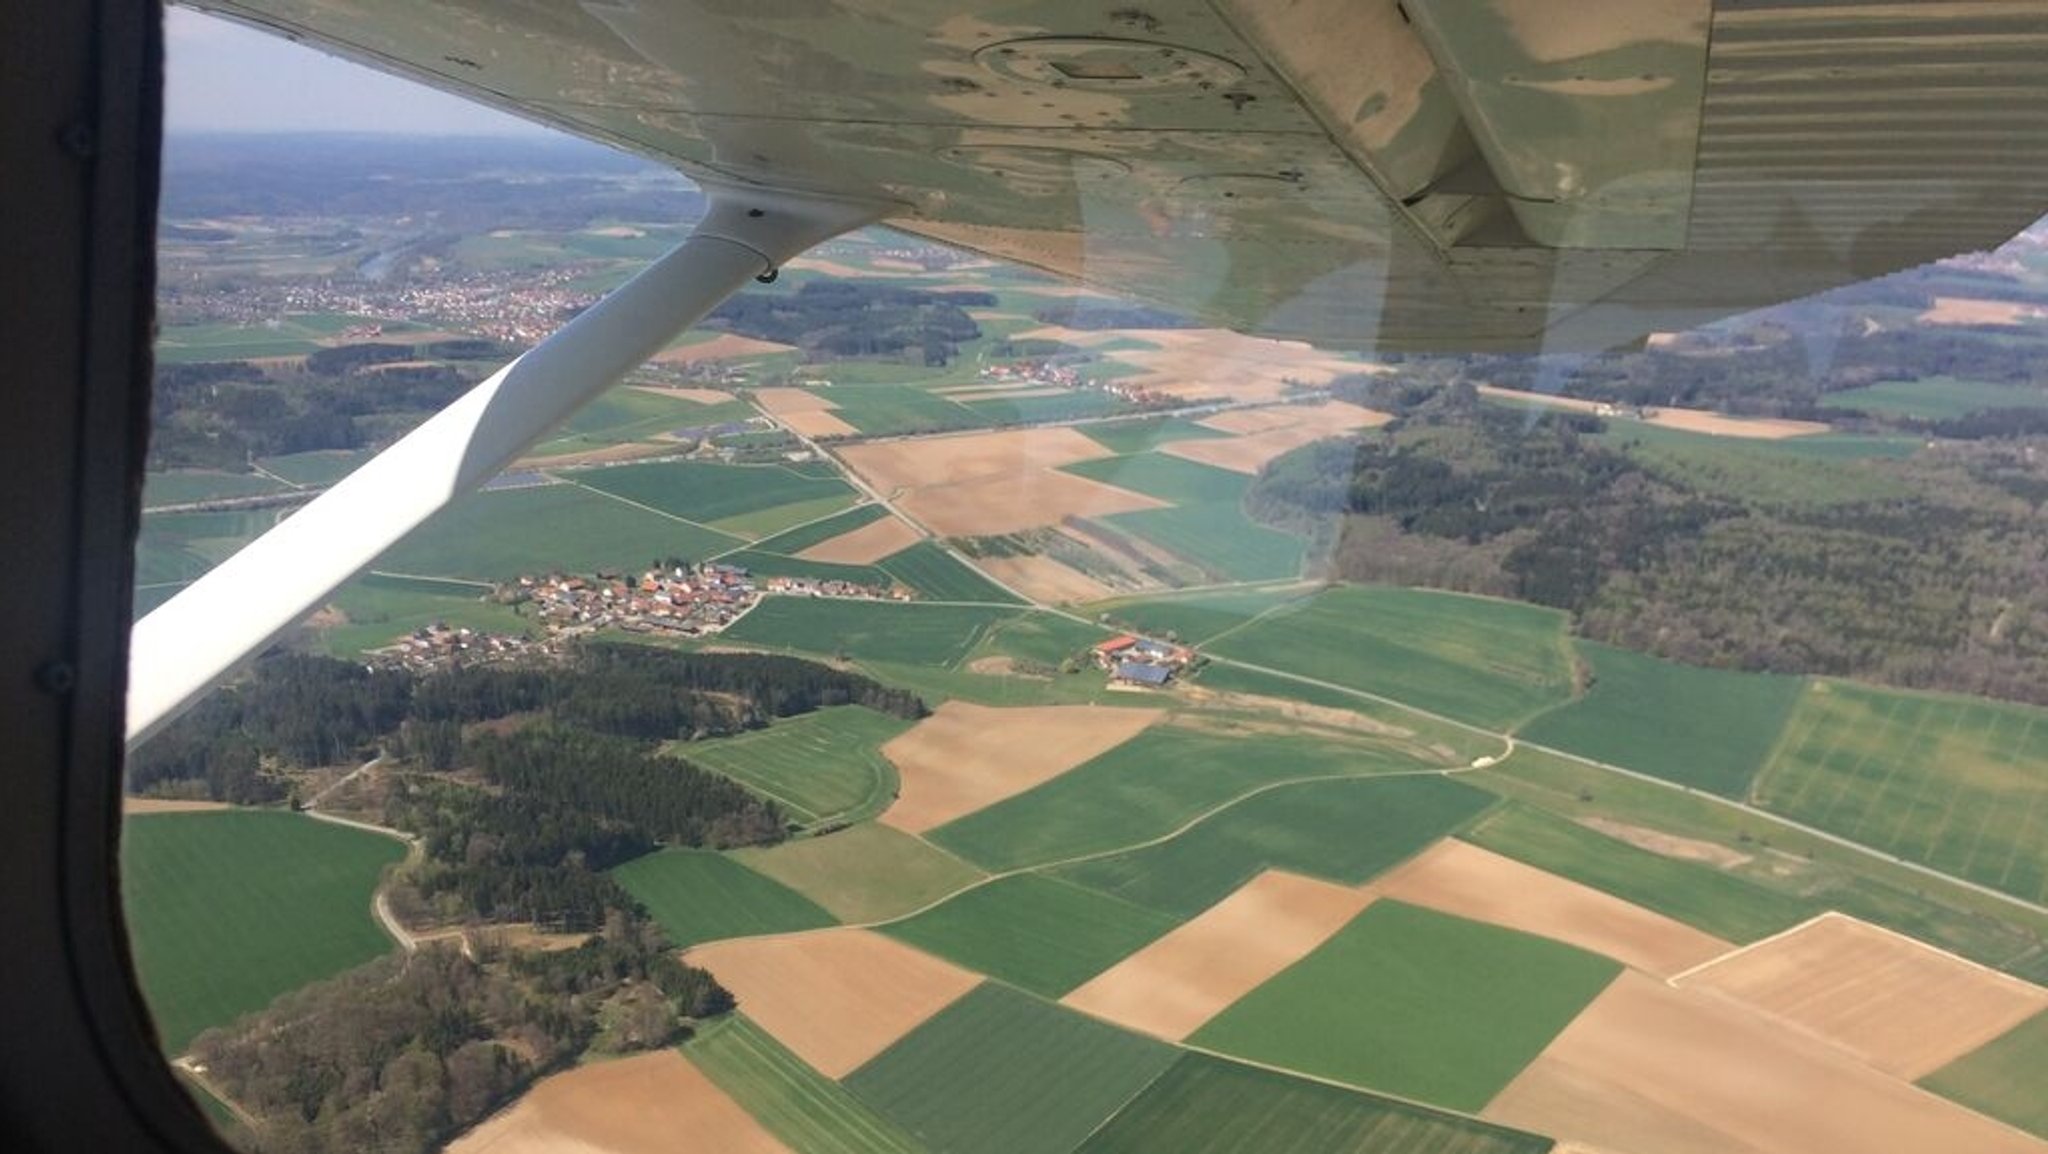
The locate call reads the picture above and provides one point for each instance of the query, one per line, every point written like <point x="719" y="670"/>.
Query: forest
<point x="405" y="1052"/>
<point x="1929" y="575"/>
<point x="844" y="319"/>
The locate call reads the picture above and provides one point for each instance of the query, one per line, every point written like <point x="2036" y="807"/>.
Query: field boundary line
<point x="644" y="508"/>
<point x="1368" y="1091"/>
<point x="1675" y="981"/>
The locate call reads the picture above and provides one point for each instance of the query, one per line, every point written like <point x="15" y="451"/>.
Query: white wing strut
<point x="195" y="639"/>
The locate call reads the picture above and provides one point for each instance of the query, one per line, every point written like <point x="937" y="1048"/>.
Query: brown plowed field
<point x="966" y="757"/>
<point x="865" y="545"/>
<point x="722" y="347"/>
<point x="1171" y="987"/>
<point x="643" y="1104"/>
<point x="1650" y="1069"/>
<point x="1688" y="420"/>
<point x="782" y="402"/>
<point x="1460" y="878"/>
<point x="836" y="997"/>
<point x="134" y="805"/>
<point x="1043" y="579"/>
<point x="1198" y="363"/>
<point x="1969" y="311"/>
<point x="993" y="506"/>
<point x="929" y="461"/>
<point x="816" y="423"/>
<point x="1902" y="1006"/>
<point x="1269" y="433"/>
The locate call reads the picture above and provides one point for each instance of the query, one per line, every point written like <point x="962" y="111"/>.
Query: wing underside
<point x="1427" y="174"/>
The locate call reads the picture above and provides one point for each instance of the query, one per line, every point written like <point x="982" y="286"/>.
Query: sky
<point x="224" y="77"/>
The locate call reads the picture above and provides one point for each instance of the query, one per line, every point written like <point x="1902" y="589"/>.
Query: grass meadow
<point x="1416" y="1003"/>
<point x="1345" y="831"/>
<point x="809" y="1112"/>
<point x="1206" y="1105"/>
<point x="1484" y="662"/>
<point x="863" y="874"/>
<point x="1707" y="728"/>
<point x="1034" y="931"/>
<point x="2002" y="1078"/>
<point x="700" y="896"/>
<point x="820" y="766"/>
<point x="1002" y="1070"/>
<point x="227" y="910"/>
<point x="1147" y="787"/>
<point x="1950" y="782"/>
<point x="915" y="634"/>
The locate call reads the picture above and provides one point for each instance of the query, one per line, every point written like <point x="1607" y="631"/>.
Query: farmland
<point x="699" y="897"/>
<point x="1490" y="663"/>
<point x="1135" y="436"/>
<point x="497" y="536"/>
<point x="1054" y="1077"/>
<point x="1706" y="728"/>
<point x="1219" y="540"/>
<point x="1699" y="895"/>
<point x="867" y="630"/>
<point x="186" y="485"/>
<point x="228" y="910"/>
<point x="629" y="413"/>
<point x="1345" y="831"/>
<point x="1194" y="618"/>
<point x="819" y="766"/>
<point x="1936" y="398"/>
<point x="939" y="575"/>
<point x="1147" y="787"/>
<point x="865" y="873"/>
<point x="1034" y="931"/>
<point x="793" y="541"/>
<point x="2003" y="1077"/>
<point x="809" y="1112"/>
<point x="1204" y="1105"/>
<point x="1167" y="478"/>
<point x="380" y="609"/>
<point x="1951" y="782"/>
<point x="720" y="496"/>
<point x="1416" y="1003"/>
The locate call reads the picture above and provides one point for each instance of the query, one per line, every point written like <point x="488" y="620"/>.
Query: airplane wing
<point x="1534" y="175"/>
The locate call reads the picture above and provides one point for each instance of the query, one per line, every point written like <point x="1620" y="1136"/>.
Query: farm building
<point x="1142" y="673"/>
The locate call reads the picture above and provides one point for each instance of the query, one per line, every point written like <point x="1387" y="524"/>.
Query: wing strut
<point x="195" y="639"/>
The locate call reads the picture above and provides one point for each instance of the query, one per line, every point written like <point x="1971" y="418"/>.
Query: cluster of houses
<point x="1133" y="660"/>
<point x="684" y="599"/>
<point x="441" y="646"/>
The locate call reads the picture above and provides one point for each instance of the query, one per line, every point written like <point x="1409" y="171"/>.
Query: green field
<point x="1936" y="398"/>
<point x="804" y="536"/>
<point x="1145" y="788"/>
<point x="1138" y="435"/>
<point x="863" y="874"/>
<point x="379" y="614"/>
<point x="183" y="546"/>
<point x="1416" y="1003"/>
<point x="1488" y="663"/>
<point x="1699" y="895"/>
<point x="1044" y="638"/>
<point x="180" y="344"/>
<point x="1194" y="618"/>
<point x="1954" y="783"/>
<point x="628" y="414"/>
<point x="940" y="576"/>
<point x="1219" y="540"/>
<point x="1204" y="1105"/>
<point x="1819" y="446"/>
<point x="1168" y="478"/>
<point x="1345" y="831"/>
<point x="317" y="467"/>
<point x="2003" y="1078"/>
<point x="228" y="910"/>
<point x="764" y="564"/>
<point x="703" y="492"/>
<point x="819" y="766"/>
<point x="1447" y="744"/>
<point x="1752" y="472"/>
<point x="1706" y="728"/>
<point x="1000" y="1070"/>
<point x="497" y="536"/>
<point x="1034" y="931"/>
<point x="699" y="896"/>
<point x="184" y="486"/>
<point x="769" y="522"/>
<point x="809" y="1112"/>
<point x="879" y="630"/>
<point x="890" y="410"/>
